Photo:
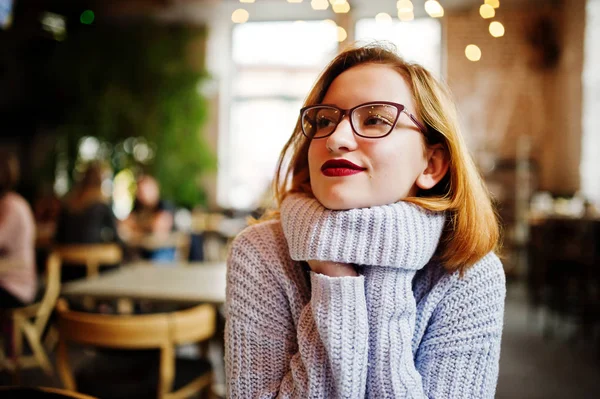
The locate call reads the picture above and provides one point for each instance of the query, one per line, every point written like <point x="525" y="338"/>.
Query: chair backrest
<point x="161" y="331"/>
<point x="51" y="292"/>
<point x="90" y="255"/>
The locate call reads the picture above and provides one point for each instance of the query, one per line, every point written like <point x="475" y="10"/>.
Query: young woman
<point x="18" y="276"/>
<point x="378" y="276"/>
<point x="86" y="217"/>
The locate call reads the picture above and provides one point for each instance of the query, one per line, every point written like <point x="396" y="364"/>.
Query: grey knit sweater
<point x="405" y="328"/>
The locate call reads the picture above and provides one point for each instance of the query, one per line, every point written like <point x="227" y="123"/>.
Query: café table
<point x="181" y="282"/>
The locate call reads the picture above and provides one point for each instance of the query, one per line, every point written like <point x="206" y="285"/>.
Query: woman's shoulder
<point x="265" y="238"/>
<point x="260" y="253"/>
<point x="484" y="281"/>
<point x="16" y="205"/>
<point x="434" y="280"/>
<point x="488" y="266"/>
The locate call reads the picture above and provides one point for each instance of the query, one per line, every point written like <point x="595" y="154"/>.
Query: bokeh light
<point x="496" y="29"/>
<point x="240" y="16"/>
<point x="87" y="17"/>
<point x="473" y="53"/>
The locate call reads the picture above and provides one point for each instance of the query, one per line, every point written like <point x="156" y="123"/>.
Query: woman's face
<point x="389" y="166"/>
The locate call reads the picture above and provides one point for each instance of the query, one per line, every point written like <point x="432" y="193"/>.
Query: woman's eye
<point x="377" y="120"/>
<point x="323" y="123"/>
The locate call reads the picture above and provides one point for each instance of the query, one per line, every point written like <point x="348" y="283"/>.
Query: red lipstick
<point x="340" y="167"/>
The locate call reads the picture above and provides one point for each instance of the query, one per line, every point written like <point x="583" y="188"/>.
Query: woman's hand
<point x="333" y="269"/>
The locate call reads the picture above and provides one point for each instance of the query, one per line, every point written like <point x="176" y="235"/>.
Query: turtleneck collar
<point x="399" y="235"/>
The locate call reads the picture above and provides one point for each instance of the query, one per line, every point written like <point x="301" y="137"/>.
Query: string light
<point x="319" y="4"/>
<point x="404" y="6"/>
<point x="496" y="29"/>
<point x="240" y="16"/>
<point x="406" y="16"/>
<point x="341" y="7"/>
<point x="247" y="1"/>
<point x="330" y="22"/>
<point x="341" y="34"/>
<point x="473" y="53"/>
<point x="487" y="11"/>
<point x="434" y="9"/>
<point x="294" y="1"/>
<point x="493" y="3"/>
<point x="383" y="18"/>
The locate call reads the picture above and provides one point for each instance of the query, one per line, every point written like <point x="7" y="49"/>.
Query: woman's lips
<point x="340" y="167"/>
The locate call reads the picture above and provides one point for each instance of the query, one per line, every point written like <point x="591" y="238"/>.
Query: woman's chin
<point x="340" y="203"/>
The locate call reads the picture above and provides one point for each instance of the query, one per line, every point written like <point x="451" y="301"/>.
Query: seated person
<point x="151" y="217"/>
<point x="86" y="217"/>
<point x="18" y="276"/>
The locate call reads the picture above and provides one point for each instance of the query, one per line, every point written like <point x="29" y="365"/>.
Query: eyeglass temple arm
<point x="419" y="124"/>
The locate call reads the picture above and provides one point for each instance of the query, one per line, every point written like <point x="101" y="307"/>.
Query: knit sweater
<point x="404" y="328"/>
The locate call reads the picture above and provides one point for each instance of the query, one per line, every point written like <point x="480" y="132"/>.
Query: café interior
<point x="162" y="112"/>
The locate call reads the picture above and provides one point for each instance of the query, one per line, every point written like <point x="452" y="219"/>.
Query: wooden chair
<point x="162" y="331"/>
<point x="31" y="322"/>
<point x="16" y="392"/>
<point x="90" y="255"/>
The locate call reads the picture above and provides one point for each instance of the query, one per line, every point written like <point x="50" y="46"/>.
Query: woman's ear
<point x="437" y="166"/>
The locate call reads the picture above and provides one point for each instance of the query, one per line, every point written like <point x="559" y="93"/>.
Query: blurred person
<point x="376" y="276"/>
<point x="151" y="216"/>
<point x="86" y="216"/>
<point x="18" y="275"/>
<point x="46" y="210"/>
<point x="46" y="206"/>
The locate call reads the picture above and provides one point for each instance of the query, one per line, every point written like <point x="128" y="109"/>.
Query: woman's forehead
<point x="368" y="82"/>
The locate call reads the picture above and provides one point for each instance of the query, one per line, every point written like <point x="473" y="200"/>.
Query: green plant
<point x="135" y="80"/>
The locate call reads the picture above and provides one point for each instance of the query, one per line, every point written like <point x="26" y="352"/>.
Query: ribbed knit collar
<point x="401" y="235"/>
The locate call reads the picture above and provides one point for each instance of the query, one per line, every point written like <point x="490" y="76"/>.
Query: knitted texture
<point x="400" y="235"/>
<point x="405" y="330"/>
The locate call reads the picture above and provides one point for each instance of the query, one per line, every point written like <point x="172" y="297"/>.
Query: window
<point x="275" y="66"/>
<point x="418" y="41"/>
<point x="590" y="149"/>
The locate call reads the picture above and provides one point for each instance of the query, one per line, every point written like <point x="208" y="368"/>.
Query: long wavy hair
<point x="472" y="229"/>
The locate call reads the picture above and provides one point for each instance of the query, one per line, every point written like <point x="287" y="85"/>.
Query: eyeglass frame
<point x="400" y="107"/>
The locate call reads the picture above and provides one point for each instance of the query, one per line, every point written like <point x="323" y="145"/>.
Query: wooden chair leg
<point x="64" y="366"/>
<point x="51" y="339"/>
<point x="33" y="336"/>
<point x="4" y="361"/>
<point x="209" y="393"/>
<point x="167" y="368"/>
<point x="16" y="350"/>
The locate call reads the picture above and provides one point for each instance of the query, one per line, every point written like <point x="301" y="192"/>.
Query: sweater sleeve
<point x="267" y="355"/>
<point x="459" y="355"/>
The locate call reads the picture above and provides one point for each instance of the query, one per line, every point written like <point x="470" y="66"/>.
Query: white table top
<point x="195" y="282"/>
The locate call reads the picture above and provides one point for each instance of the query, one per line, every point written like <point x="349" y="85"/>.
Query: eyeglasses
<point x="371" y="120"/>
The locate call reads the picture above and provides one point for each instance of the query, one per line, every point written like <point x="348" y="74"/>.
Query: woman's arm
<point x="12" y="263"/>
<point x="459" y="355"/>
<point x="267" y="355"/>
<point x="18" y="229"/>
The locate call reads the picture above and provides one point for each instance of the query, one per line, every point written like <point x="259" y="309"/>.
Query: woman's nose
<point x="342" y="138"/>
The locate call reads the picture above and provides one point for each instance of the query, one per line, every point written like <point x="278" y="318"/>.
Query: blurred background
<point x="162" y="111"/>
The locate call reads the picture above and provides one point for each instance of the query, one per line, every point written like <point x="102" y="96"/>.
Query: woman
<point x="150" y="216"/>
<point x="378" y="277"/>
<point x="86" y="217"/>
<point x="18" y="278"/>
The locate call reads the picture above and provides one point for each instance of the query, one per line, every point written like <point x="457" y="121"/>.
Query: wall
<point x="510" y="93"/>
